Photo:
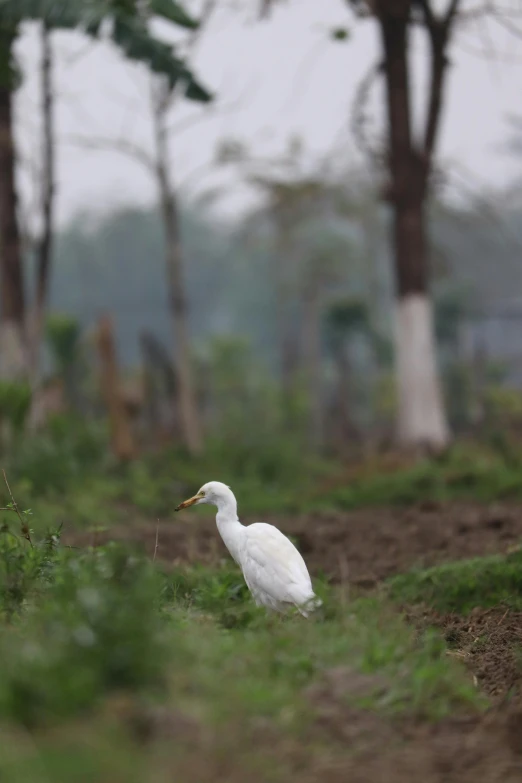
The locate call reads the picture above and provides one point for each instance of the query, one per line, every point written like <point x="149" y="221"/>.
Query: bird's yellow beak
<point x="189" y="502"/>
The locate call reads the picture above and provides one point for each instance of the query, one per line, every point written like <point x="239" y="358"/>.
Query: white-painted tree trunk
<point x="421" y="415"/>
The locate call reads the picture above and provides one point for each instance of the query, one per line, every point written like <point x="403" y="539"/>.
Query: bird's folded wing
<point x="275" y="565"/>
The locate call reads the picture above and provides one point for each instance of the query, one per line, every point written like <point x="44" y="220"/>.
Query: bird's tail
<point x="311" y="605"/>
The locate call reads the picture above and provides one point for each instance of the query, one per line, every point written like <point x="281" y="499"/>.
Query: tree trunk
<point x="346" y="424"/>
<point x="286" y="319"/>
<point x="122" y="441"/>
<point x="371" y="235"/>
<point x="44" y="248"/>
<point x="13" y="347"/>
<point x="188" y="409"/>
<point x="421" y="415"/>
<point x="422" y="421"/>
<point x="160" y="388"/>
<point x="289" y="349"/>
<point x="311" y="353"/>
<point x="478" y="376"/>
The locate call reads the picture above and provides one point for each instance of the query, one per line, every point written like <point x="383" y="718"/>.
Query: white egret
<point x="273" y="569"/>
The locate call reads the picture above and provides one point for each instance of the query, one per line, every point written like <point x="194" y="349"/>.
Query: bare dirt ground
<point x="460" y="749"/>
<point x="362" y="548"/>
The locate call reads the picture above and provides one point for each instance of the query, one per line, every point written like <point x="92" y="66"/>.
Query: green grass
<point x="367" y="636"/>
<point x="289" y="483"/>
<point x="460" y="586"/>
<point x="92" y="642"/>
<point x="152" y="487"/>
<point x="93" y="629"/>
<point x="68" y="471"/>
<point x="476" y="473"/>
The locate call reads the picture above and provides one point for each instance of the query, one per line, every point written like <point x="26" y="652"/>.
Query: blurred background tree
<point x="303" y="292"/>
<point x="129" y="31"/>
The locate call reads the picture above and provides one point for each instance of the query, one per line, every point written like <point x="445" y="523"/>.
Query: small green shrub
<point x="67" y="450"/>
<point x="24" y="569"/>
<point x="221" y="593"/>
<point x="63" y="334"/>
<point x="98" y="630"/>
<point x="15" y="403"/>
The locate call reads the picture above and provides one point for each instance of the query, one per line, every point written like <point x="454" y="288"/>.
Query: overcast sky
<point x="286" y="78"/>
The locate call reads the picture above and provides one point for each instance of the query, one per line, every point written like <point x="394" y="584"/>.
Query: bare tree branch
<point x="438" y="67"/>
<point x="452" y="15"/>
<point x="482" y="55"/>
<point x="451" y="12"/>
<point x="358" y="120"/>
<point x="303" y="72"/>
<point x="506" y="23"/>
<point x="439" y="31"/>
<point x="429" y="16"/>
<point x="122" y="146"/>
<point x="489" y="208"/>
<point x="213" y="111"/>
<point x="195" y="175"/>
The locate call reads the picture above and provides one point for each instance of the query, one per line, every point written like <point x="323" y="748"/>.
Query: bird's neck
<point x="228" y="524"/>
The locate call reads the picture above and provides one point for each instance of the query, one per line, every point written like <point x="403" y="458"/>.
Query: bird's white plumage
<point x="273" y="568"/>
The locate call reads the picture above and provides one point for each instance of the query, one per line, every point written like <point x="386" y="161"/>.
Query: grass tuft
<point x="463" y="585"/>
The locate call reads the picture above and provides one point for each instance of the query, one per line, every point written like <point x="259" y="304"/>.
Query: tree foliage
<point x="124" y="22"/>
